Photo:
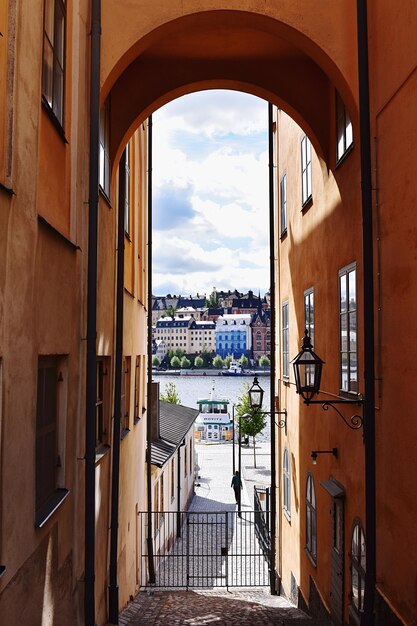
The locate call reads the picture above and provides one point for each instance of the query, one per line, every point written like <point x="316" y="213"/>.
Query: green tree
<point x="185" y="363"/>
<point x="244" y="361"/>
<point x="264" y="361"/>
<point x="175" y="363"/>
<point x="251" y="421"/>
<point x="170" y="394"/>
<point x="179" y="353"/>
<point x="213" y="299"/>
<point x="218" y="362"/>
<point x="171" y="310"/>
<point x="227" y="360"/>
<point x="206" y="356"/>
<point x="155" y="362"/>
<point x="198" y="362"/>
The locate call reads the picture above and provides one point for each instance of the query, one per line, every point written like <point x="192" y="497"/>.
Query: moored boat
<point x="214" y="422"/>
<point x="235" y="369"/>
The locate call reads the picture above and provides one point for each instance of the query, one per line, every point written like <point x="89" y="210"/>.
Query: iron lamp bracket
<point x="355" y="422"/>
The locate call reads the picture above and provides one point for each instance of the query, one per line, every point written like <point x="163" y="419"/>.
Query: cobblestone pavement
<point x="236" y="606"/>
<point x="220" y="608"/>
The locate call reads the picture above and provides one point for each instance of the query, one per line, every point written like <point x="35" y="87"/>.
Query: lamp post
<point x="239" y="503"/>
<point x="233" y="438"/>
<point x="256" y="394"/>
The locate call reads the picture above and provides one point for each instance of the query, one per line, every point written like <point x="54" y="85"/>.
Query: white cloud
<point x="223" y="172"/>
<point x="214" y="112"/>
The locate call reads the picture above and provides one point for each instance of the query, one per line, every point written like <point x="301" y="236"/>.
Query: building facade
<point x="261" y="335"/>
<point x="233" y="335"/>
<point x="44" y="188"/>
<point x="184" y="332"/>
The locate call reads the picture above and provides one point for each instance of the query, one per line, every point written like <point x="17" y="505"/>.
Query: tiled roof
<point x="175" y="420"/>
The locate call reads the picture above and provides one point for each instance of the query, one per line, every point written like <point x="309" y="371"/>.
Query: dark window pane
<point x="47" y="71"/>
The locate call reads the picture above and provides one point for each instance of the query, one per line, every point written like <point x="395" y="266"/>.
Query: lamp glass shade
<point x="307" y="370"/>
<point x="256" y="395"/>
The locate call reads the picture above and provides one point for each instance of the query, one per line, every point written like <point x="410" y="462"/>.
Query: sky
<point x="210" y="194"/>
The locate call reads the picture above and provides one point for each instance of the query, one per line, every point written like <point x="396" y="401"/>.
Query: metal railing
<point x="218" y="549"/>
<point x="262" y="518"/>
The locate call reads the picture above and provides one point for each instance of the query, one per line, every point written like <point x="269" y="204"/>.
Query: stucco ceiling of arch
<point x="225" y="50"/>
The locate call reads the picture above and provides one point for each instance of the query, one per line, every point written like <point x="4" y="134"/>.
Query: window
<point x="311" y="519"/>
<point x="127" y="189"/>
<point x="309" y="325"/>
<point x="191" y="458"/>
<point x="309" y="313"/>
<point x="283" y="203"/>
<point x="137" y="414"/>
<point x="102" y="402"/>
<point x="104" y="165"/>
<point x="162" y="496"/>
<point x="50" y="432"/>
<point x="305" y="170"/>
<point x="156" y="507"/>
<point x="344" y="128"/>
<point x="185" y="460"/>
<point x="125" y="395"/>
<point x="172" y="479"/>
<point x="53" y="68"/>
<point x="285" y="342"/>
<point x="348" y="330"/>
<point x="357" y="568"/>
<point x="287" y="485"/>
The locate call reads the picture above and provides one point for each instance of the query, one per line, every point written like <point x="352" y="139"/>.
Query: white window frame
<point x="306" y="176"/>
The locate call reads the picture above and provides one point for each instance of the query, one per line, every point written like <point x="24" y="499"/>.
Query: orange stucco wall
<point x="319" y="241"/>
<point x="393" y="67"/>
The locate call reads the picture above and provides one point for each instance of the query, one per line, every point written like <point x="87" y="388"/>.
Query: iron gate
<point x="195" y="550"/>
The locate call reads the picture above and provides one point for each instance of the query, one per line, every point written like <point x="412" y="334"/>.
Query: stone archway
<point x="291" y="60"/>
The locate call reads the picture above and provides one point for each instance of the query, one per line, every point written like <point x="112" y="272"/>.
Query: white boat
<point x="235" y="369"/>
<point x="214" y="422"/>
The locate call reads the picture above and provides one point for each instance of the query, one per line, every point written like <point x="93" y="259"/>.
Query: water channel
<point x="190" y="388"/>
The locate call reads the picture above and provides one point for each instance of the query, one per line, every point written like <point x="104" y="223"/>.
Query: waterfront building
<point x="233" y="335"/>
<point x="261" y="334"/>
<point x="183" y="332"/>
<point x="159" y="349"/>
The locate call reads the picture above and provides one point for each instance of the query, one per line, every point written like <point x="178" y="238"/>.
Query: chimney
<point x="155" y="431"/>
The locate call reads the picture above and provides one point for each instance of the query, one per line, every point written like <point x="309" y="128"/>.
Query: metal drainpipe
<point x="367" y="617"/>
<point x="273" y="580"/>
<point x="114" y="522"/>
<point x="91" y="383"/>
<point x="151" y="565"/>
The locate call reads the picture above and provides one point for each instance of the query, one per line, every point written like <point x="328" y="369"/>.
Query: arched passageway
<point x="295" y="64"/>
<point x="239" y="50"/>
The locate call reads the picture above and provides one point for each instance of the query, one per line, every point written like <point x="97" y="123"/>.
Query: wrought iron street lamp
<point x="307" y="371"/>
<point x="256" y="394"/>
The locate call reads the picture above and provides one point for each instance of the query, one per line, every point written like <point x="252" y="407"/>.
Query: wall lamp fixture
<point x="307" y="370"/>
<point x="256" y="395"/>
<point x="315" y="453"/>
